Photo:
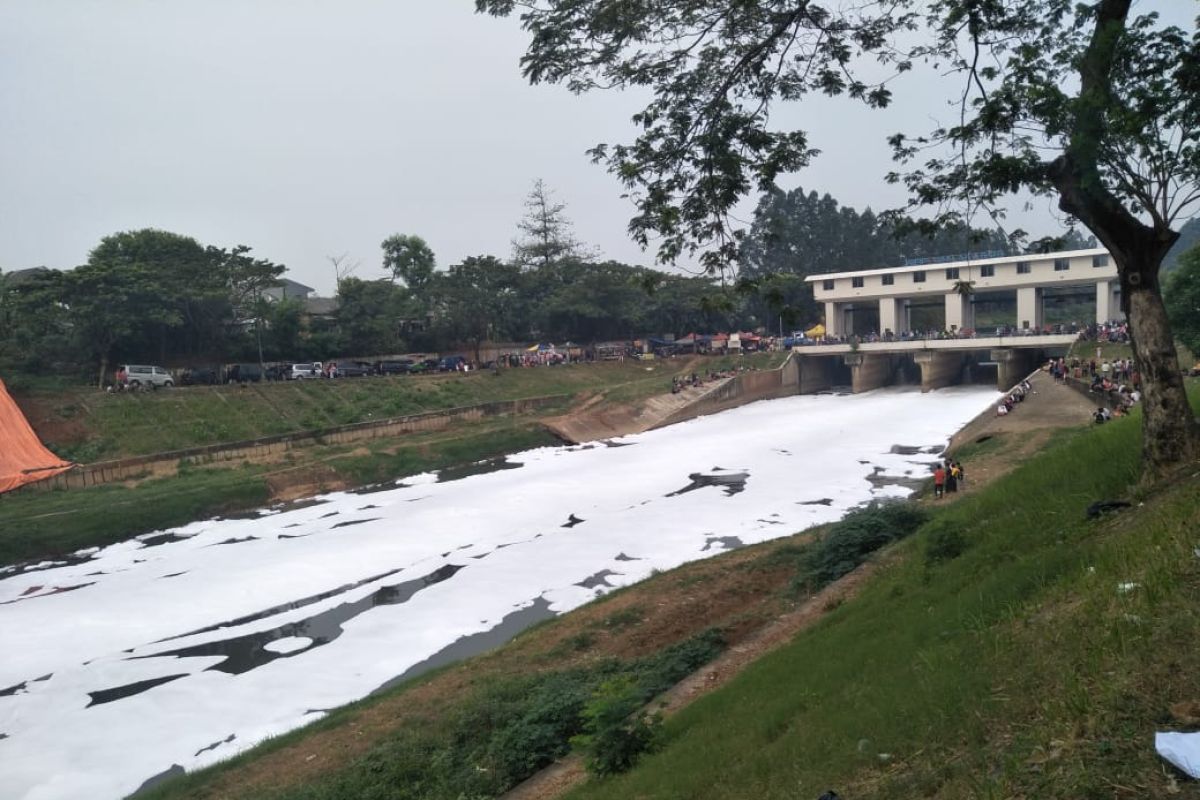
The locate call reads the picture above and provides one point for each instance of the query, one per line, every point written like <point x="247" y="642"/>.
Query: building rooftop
<point x="967" y="262"/>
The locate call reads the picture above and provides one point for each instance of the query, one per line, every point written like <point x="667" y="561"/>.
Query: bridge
<point x="935" y="363"/>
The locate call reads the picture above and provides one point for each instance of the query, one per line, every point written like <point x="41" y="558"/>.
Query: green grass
<point x="1016" y="669"/>
<point x="47" y="524"/>
<point x="503" y="731"/>
<point x="126" y="424"/>
<point x="486" y="443"/>
<point x="974" y="449"/>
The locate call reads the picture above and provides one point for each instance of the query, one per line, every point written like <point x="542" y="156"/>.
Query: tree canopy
<point x="806" y="233"/>
<point x="410" y="259"/>
<point x="546" y="238"/>
<point x="1092" y="104"/>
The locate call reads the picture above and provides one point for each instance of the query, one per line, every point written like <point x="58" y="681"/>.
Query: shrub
<point x="655" y="674"/>
<point x="624" y="618"/>
<point x="944" y="543"/>
<point x="860" y="533"/>
<point x="615" y="731"/>
<point x="540" y="725"/>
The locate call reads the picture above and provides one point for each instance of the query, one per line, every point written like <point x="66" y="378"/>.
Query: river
<point x="180" y="648"/>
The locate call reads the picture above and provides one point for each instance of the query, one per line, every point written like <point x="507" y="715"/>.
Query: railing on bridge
<point x="1031" y="341"/>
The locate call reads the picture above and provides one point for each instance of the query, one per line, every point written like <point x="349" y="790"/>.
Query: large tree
<point x="246" y="280"/>
<point x="369" y="316"/>
<point x="409" y="258"/>
<point x="477" y="300"/>
<point x="139" y="289"/>
<point x="1084" y="102"/>
<point x="546" y="238"/>
<point x="183" y="292"/>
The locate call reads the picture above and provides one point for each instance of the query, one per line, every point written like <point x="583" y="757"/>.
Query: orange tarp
<point x="23" y="459"/>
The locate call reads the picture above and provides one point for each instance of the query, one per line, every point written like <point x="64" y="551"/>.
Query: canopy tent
<point x="816" y="331"/>
<point x="23" y="459"/>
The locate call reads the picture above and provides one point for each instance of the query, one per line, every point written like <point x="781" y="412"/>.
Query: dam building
<point x="942" y="322"/>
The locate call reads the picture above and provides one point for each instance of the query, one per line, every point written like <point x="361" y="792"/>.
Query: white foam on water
<point x="301" y="596"/>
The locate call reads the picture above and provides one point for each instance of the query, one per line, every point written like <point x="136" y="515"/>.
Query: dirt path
<point x="991" y="446"/>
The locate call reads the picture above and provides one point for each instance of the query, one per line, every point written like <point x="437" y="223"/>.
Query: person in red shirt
<point x="939" y="481"/>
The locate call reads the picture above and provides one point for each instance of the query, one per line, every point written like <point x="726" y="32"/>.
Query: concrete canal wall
<point x="270" y="447"/>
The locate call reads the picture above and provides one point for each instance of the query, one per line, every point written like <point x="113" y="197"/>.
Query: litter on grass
<point x="1181" y="749"/>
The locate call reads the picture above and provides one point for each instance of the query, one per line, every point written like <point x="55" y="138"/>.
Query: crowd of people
<point x="1118" y="380"/>
<point x="958" y="333"/>
<point x="679" y="383"/>
<point x="1014" y="398"/>
<point x="948" y="477"/>
<point x="1112" y="331"/>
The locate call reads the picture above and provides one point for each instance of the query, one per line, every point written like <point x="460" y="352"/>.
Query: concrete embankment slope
<point x="593" y="420"/>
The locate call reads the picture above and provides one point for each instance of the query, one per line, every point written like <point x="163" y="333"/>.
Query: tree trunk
<point x="1170" y="435"/>
<point x="103" y="369"/>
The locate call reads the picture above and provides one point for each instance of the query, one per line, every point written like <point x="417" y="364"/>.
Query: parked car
<point x="244" y="373"/>
<point x="278" y="372"/>
<point x="348" y="369"/>
<point x="305" y="371"/>
<point x="398" y="367"/>
<point x="138" y="375"/>
<point x="451" y="363"/>
<point x="200" y="376"/>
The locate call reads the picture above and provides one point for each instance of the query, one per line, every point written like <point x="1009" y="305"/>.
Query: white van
<point x="302" y="371"/>
<point x="137" y="375"/>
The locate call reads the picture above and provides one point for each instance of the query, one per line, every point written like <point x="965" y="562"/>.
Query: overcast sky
<point x="309" y="128"/>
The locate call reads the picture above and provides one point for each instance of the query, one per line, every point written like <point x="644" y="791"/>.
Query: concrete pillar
<point x="1011" y="366"/>
<point x="1114" y="302"/>
<point x="816" y="373"/>
<point x="939" y="368"/>
<point x="958" y="312"/>
<point x="1029" y="307"/>
<point x="833" y="319"/>
<point x="891" y="315"/>
<point x="868" y="371"/>
<point x="1104" y="298"/>
<point x="789" y="373"/>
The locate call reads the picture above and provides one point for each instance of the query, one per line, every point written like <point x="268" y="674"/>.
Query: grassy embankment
<point x="1037" y="662"/>
<point x="86" y="425"/>
<point x="47" y="524"/>
<point x="1011" y="648"/>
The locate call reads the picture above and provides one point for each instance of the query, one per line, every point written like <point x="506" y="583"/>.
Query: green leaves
<point x="705" y="140"/>
<point x="409" y="259"/>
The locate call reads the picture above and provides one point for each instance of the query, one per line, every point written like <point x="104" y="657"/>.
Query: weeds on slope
<point x="509" y="728"/>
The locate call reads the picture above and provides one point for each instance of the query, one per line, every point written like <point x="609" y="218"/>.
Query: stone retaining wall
<point x="746" y="387"/>
<point x="272" y="446"/>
